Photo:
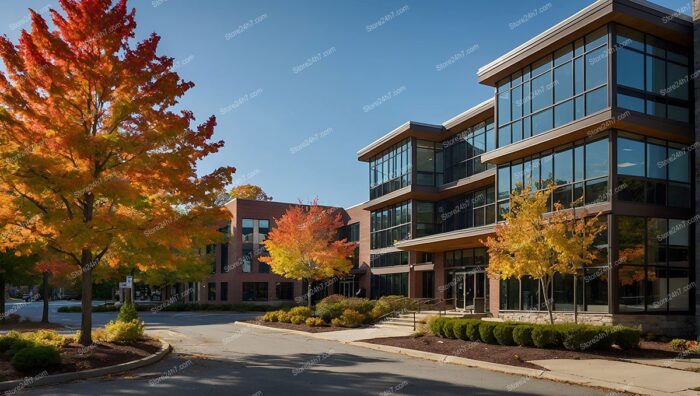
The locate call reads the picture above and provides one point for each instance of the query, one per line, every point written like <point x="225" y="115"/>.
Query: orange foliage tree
<point x="304" y="245"/>
<point x="95" y="164"/>
<point x="249" y="191"/>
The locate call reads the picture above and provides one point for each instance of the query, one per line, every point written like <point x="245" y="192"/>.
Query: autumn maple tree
<point x="249" y="191"/>
<point x="95" y="164"/>
<point x="532" y="242"/>
<point x="304" y="245"/>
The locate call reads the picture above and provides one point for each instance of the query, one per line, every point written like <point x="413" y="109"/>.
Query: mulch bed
<point x="76" y="357"/>
<point x="517" y="355"/>
<point x="301" y="327"/>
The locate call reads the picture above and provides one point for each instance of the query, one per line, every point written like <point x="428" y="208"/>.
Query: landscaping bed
<point x="291" y="326"/>
<point x="75" y="357"/>
<point x="519" y="355"/>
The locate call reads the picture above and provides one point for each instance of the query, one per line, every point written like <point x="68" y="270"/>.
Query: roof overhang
<point x="460" y="239"/>
<point x="640" y="14"/>
<point x="430" y="132"/>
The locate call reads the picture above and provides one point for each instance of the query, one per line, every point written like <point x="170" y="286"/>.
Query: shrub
<point x="448" y="328"/>
<point x="48" y="337"/>
<point x="435" y="326"/>
<point x="361" y="305"/>
<point x="283" y="316"/>
<point x="678" y="344"/>
<point x="9" y="339"/>
<point x="315" y="322"/>
<point x="545" y="336"/>
<point x="473" y="330"/>
<point x="504" y="333"/>
<point x="99" y="335"/>
<point x="579" y="337"/>
<point x="329" y="310"/>
<point x="297" y="319"/>
<point x="522" y="335"/>
<point x="270" y="316"/>
<point x="627" y="338"/>
<point x="127" y="313"/>
<point x="335" y="305"/>
<point x="335" y="322"/>
<point x="486" y="330"/>
<point x="459" y="328"/>
<point x="125" y="331"/>
<point x="351" y="318"/>
<point x="300" y="311"/>
<point x="36" y="357"/>
<point x="18" y="345"/>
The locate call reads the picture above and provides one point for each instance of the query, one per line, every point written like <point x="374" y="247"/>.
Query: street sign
<point x="129" y="281"/>
<point x="123" y="285"/>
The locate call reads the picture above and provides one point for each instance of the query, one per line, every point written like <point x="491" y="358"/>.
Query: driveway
<point x="214" y="357"/>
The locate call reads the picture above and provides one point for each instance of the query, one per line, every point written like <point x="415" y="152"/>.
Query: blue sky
<point x="298" y="87"/>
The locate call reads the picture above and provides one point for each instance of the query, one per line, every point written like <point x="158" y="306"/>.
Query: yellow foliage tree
<point x="534" y="243"/>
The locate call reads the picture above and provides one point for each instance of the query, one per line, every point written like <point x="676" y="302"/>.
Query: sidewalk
<point x="628" y="377"/>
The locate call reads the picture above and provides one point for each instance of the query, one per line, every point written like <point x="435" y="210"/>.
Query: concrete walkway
<point x="364" y="334"/>
<point x="657" y="380"/>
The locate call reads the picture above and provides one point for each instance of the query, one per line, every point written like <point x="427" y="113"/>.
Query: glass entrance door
<point x="469" y="291"/>
<point x="459" y="291"/>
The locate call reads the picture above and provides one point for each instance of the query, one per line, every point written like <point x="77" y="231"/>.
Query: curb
<point x="497" y="367"/>
<point x="92" y="373"/>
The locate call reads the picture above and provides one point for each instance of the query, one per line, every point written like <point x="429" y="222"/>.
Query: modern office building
<point x="600" y="105"/>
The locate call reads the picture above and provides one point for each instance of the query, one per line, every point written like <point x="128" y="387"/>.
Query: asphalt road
<point x="214" y="357"/>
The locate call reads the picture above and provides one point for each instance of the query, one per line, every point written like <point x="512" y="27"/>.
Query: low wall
<point x="667" y="325"/>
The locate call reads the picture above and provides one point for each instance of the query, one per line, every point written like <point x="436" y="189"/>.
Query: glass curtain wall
<point x="390" y="170"/>
<point x="566" y="85"/>
<point x="463" y="151"/>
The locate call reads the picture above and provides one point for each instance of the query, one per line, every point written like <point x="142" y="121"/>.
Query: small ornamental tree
<point x="534" y="243"/>
<point x="95" y="161"/>
<point x="304" y="245"/>
<point x="249" y="191"/>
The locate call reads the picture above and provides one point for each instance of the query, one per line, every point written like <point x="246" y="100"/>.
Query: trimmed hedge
<point x="504" y="333"/>
<point x="575" y="337"/>
<point x="522" y="335"/>
<point x="36" y="357"/>
<point x="486" y="330"/>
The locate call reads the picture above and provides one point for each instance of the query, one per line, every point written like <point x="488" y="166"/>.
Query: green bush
<point x="459" y="328"/>
<point x="36" y="357"/>
<point x="127" y="313"/>
<point x="125" y="331"/>
<point x="447" y="329"/>
<point x="305" y="312"/>
<point x="522" y="334"/>
<point x="9" y="339"/>
<point x="486" y="330"/>
<point x="627" y="338"/>
<point x="18" y="345"/>
<point x="545" y="336"/>
<point x="473" y="330"/>
<point x="504" y="333"/>
<point x="435" y="326"/>
<point x="677" y="344"/>
<point x="335" y="305"/>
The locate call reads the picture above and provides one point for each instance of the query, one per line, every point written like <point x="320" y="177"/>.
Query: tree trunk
<point x="308" y="293"/>
<point x="546" y="301"/>
<point x="86" y="302"/>
<point x="45" y="295"/>
<point x="2" y="297"/>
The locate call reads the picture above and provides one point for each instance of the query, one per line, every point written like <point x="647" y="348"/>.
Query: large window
<point x="467" y="258"/>
<point x="254" y="233"/>
<point x="566" y="85"/>
<point x="463" y="151"/>
<point x="579" y="171"/>
<point x="390" y="170"/>
<point x="351" y="233"/>
<point x="653" y="171"/>
<point x="429" y="163"/>
<point x="652" y="75"/>
<point x="389" y="259"/>
<point x="224" y="291"/>
<point x="284" y="290"/>
<point x="654" y="270"/>
<point x="390" y="285"/>
<point x="211" y="291"/>
<point x="390" y="224"/>
<point x="254" y="291"/>
<point x="473" y="209"/>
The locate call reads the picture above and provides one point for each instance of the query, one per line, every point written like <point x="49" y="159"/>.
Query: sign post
<point x="130" y="285"/>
